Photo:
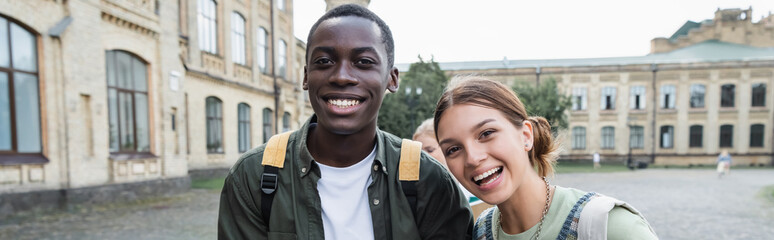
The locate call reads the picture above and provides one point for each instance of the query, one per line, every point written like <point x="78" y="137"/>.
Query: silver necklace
<point x="542" y="219"/>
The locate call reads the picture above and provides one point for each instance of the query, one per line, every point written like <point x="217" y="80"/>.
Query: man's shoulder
<point x="249" y="161"/>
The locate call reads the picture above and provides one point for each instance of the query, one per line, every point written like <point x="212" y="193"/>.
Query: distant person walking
<point x="595" y="158"/>
<point x="724" y="163"/>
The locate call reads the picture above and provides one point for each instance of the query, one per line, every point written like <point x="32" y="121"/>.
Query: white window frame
<point x="282" y="58"/>
<point x="238" y="51"/>
<point x="637" y="93"/>
<point x="668" y="95"/>
<point x="262" y="49"/>
<point x="207" y="18"/>
<point x="698" y="93"/>
<point x="608" y="91"/>
<point x="579" y="99"/>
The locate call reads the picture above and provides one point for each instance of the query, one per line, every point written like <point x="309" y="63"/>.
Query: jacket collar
<point x="306" y="159"/>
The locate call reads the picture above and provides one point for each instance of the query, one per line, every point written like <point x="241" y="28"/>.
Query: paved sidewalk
<point x="680" y="204"/>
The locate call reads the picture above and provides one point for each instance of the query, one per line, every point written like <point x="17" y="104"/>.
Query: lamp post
<point x="412" y="100"/>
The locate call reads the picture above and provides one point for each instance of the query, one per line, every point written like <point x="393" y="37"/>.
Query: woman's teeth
<point x="486" y="174"/>
<point x="343" y="103"/>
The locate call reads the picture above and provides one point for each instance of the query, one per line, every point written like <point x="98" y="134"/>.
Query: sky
<point x="490" y="30"/>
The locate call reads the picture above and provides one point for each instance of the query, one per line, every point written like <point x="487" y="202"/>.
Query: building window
<point x="208" y="25"/>
<point x="214" y="125"/>
<point x="268" y="115"/>
<point x="759" y="95"/>
<point x="579" y="99"/>
<point x="697" y="95"/>
<point x="579" y="138"/>
<point x="608" y="98"/>
<point x="608" y="138"/>
<point x="667" y="136"/>
<point x="727" y="95"/>
<point x="637" y="97"/>
<point x="756" y="135"/>
<point x="20" y="131"/>
<point x="243" y="115"/>
<point x="696" y="136"/>
<point x="263" y="50"/>
<point x="286" y="122"/>
<point x="726" y="136"/>
<point x="281" y="5"/>
<point x="636" y="137"/>
<point x="668" y="96"/>
<point x="282" y="59"/>
<point x="238" y="39"/>
<point x="127" y="81"/>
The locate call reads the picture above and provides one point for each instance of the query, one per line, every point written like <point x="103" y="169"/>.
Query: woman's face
<point x="430" y="145"/>
<point x="485" y="151"/>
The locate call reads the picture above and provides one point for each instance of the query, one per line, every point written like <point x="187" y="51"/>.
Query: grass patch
<point x="767" y="193"/>
<point x="587" y="167"/>
<point x="208" y="183"/>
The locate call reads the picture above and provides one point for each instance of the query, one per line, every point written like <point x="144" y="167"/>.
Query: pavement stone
<point x="678" y="203"/>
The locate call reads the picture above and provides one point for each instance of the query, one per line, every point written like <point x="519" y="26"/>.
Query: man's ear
<point x="305" y="84"/>
<point x="392" y="84"/>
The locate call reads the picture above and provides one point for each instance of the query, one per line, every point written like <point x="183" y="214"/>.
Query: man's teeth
<point x="343" y="103"/>
<point x="486" y="174"/>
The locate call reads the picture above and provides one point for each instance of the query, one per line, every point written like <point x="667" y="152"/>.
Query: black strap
<point x="410" y="190"/>
<point x="269" y="180"/>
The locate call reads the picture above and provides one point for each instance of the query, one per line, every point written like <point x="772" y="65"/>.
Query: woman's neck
<point x="524" y="209"/>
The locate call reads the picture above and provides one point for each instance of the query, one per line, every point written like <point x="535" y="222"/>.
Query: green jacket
<point x="442" y="210"/>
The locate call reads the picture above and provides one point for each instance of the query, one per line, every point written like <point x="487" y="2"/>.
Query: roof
<point x="683" y="31"/>
<point x="707" y="51"/>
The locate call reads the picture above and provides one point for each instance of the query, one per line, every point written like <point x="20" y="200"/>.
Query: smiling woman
<point x="492" y="146"/>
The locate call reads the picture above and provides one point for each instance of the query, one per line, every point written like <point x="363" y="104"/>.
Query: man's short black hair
<point x="358" y="11"/>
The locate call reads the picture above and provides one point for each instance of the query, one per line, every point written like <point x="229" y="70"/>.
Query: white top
<point x="596" y="157"/>
<point x="346" y="213"/>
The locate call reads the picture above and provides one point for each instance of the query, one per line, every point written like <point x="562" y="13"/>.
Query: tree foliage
<point x="546" y="101"/>
<point x="403" y="111"/>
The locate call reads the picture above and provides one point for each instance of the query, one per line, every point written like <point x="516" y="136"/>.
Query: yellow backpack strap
<point x="408" y="170"/>
<point x="273" y="160"/>
<point x="274" y="153"/>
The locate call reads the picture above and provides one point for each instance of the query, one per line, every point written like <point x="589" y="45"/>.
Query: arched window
<point x="727" y="136"/>
<point x="667" y="136"/>
<point x="727" y="95"/>
<point x="207" y="19"/>
<point x="608" y="138"/>
<point x="636" y="137"/>
<point x="578" y="138"/>
<point x="756" y="135"/>
<point x="214" y="108"/>
<point x="696" y="136"/>
<point x="127" y="80"/>
<point x="262" y="50"/>
<point x="282" y="58"/>
<point x="268" y="115"/>
<point x="20" y="132"/>
<point x="286" y="122"/>
<point x="238" y="53"/>
<point x="244" y="126"/>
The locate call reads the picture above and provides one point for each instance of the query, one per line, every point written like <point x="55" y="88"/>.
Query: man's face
<point x="347" y="73"/>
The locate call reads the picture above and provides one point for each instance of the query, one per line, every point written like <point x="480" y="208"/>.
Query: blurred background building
<point x="104" y="100"/>
<point x="705" y="89"/>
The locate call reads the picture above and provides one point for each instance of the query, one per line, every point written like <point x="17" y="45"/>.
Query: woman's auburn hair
<point x="477" y="90"/>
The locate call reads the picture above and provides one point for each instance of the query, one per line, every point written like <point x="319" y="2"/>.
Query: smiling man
<point x="340" y="175"/>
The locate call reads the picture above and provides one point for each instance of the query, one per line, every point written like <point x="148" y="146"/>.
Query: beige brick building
<point x="100" y="99"/>
<point x="706" y="89"/>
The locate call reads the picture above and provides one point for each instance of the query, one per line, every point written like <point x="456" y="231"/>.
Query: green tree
<point x="546" y="101"/>
<point x="405" y="109"/>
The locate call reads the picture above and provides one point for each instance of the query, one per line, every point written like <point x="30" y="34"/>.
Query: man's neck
<point x="340" y="150"/>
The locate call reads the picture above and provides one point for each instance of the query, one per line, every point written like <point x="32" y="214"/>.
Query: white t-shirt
<point x="346" y="213"/>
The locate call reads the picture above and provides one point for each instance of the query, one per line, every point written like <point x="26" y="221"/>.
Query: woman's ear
<point x="528" y="136"/>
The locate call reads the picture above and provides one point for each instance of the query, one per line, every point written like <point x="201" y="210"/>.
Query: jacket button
<point x="376" y="201"/>
<point x="376" y="167"/>
<point x="303" y="170"/>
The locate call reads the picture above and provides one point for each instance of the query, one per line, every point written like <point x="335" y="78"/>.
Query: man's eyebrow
<point x="485" y="121"/>
<point x="328" y="50"/>
<point x="363" y="49"/>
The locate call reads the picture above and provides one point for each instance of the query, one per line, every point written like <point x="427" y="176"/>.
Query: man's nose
<point x="343" y="75"/>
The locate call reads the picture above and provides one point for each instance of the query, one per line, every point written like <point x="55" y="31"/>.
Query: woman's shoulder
<point x="625" y="224"/>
